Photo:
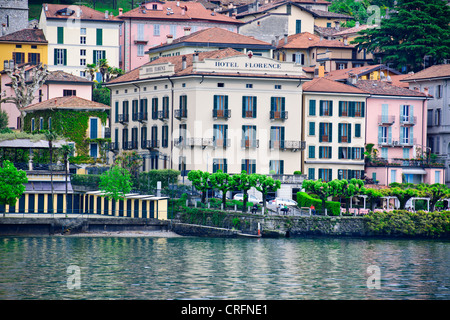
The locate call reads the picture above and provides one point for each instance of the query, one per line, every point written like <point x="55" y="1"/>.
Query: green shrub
<point x="333" y="208"/>
<point x="87" y="180"/>
<point x="305" y="200"/>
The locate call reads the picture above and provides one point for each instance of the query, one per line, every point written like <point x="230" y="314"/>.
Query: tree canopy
<point x="414" y="31"/>
<point x="11" y="183"/>
<point x="115" y="183"/>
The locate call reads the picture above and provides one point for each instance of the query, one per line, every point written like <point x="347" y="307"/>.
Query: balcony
<point x="249" y="143"/>
<point x="163" y="115"/>
<point x="407" y="120"/>
<point x="409" y="163"/>
<point x="293" y="145"/>
<point x="130" y="145"/>
<point x="221" y="114"/>
<point x="123" y="118"/>
<point x="407" y="142"/>
<point x="140" y="116"/>
<point x="278" y="115"/>
<point x="107" y="133"/>
<point x="150" y="144"/>
<point x="221" y="143"/>
<point x="180" y="114"/>
<point x="114" y="146"/>
<point x="386" y="120"/>
<point x="199" y="142"/>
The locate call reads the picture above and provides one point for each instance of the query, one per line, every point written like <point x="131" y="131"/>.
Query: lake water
<point x="58" y="267"/>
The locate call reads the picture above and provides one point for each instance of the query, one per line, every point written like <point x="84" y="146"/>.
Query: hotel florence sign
<point x="235" y="64"/>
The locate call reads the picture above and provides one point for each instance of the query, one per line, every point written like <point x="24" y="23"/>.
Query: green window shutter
<point x="99" y="37"/>
<point x="226" y="103"/>
<point x="311" y="173"/>
<point x="65" y="56"/>
<point x="117" y="112"/>
<point x="321" y="131"/>
<point x="321" y="152"/>
<point x="215" y="102"/>
<point x="283" y="104"/>
<point x="94" y="58"/>
<point x="349" y="139"/>
<point x="243" y="106"/>
<point x="312" y="128"/>
<point x="272" y="104"/>
<point x="60" y="35"/>
<point x="330" y="106"/>
<point x="281" y="166"/>
<point x="339" y="132"/>
<point x="311" y="152"/>
<point x="330" y="130"/>
<point x="321" y="108"/>
<point x="363" y="109"/>
<point x="357" y="130"/>
<point x="340" y="108"/>
<point x="254" y="107"/>
<point x="312" y="107"/>
<point x="330" y="174"/>
<point x="55" y="57"/>
<point x="351" y="109"/>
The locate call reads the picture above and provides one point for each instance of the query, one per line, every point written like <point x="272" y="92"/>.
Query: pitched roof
<point x="272" y="5"/>
<point x="326" y="85"/>
<point x="343" y="74"/>
<point x="397" y="80"/>
<point x="187" y="10"/>
<point x="70" y="103"/>
<point x="55" y="11"/>
<point x="61" y="76"/>
<point x="215" y="36"/>
<point x="353" y="30"/>
<point x="25" y="35"/>
<point x="307" y="40"/>
<point x="133" y="75"/>
<point x="436" y="71"/>
<point x="377" y="87"/>
<point x="328" y="14"/>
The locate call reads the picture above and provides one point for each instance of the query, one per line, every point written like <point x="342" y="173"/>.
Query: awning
<point x="414" y="171"/>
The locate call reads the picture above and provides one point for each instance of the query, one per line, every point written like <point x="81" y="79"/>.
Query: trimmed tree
<point x="323" y="190"/>
<point x="11" y="183"/>
<point x="200" y="181"/>
<point x="265" y="184"/>
<point x="115" y="183"/>
<point x="223" y="182"/>
<point x="243" y="182"/>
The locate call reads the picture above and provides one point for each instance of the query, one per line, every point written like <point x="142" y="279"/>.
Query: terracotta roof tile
<point x="436" y="71"/>
<point x="385" y="88"/>
<point x="270" y="5"/>
<point x="216" y="35"/>
<point x="71" y="102"/>
<point x="86" y="13"/>
<point x="397" y="80"/>
<point x="187" y="10"/>
<point x="59" y="76"/>
<point x="25" y="35"/>
<point x="326" y="85"/>
<point x="353" y="30"/>
<point x="307" y="40"/>
<point x="343" y="74"/>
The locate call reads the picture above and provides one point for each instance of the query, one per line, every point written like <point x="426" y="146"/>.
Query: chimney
<point x="169" y="38"/>
<point x="120" y="11"/>
<point x="337" y="25"/>
<point x="46" y="7"/>
<point x="352" y="78"/>
<point x="187" y="31"/>
<point x="183" y="11"/>
<point x="178" y="3"/>
<point x="425" y="90"/>
<point x="285" y="38"/>
<point x="345" y="41"/>
<point x="319" y="72"/>
<point x="195" y="57"/>
<point x="183" y="63"/>
<point x="357" y="24"/>
<point x="106" y="14"/>
<point x="276" y="40"/>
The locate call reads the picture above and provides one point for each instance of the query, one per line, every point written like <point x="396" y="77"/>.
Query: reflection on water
<point x="197" y="268"/>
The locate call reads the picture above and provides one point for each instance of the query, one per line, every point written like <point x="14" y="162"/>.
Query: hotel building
<point x="211" y="110"/>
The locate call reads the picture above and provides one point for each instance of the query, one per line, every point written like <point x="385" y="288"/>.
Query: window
<point x="311" y="173"/>
<point x="278" y="86"/>
<point x="82" y="52"/>
<point x="220" y="135"/>
<point x="143" y="103"/>
<point x="344" y="153"/>
<point x="154" y="108"/>
<point x="405" y="153"/>
<point x="82" y="40"/>
<point x="249" y="165"/>
<point x="165" y="136"/>
<point x="325" y="175"/>
<point x="173" y="31"/>
<point x="248" y="107"/>
<point x="393" y="176"/>
<point x="341" y="66"/>
<point x="276" y="167"/>
<point x="93" y="128"/>
<point x="438" y="92"/>
<point x="220" y="106"/>
<point x="406" y="114"/>
<point x="277" y="108"/>
<point x="32" y="125"/>
<point x="140" y="33"/>
<point x="298" y="26"/>
<point x="326" y="108"/>
<point x="312" y="107"/>
<point x="60" y="57"/>
<point x="18" y="57"/>
<point x="34" y="58"/>
<point x="430" y="117"/>
<point x="249" y="85"/>
<point x="276" y="137"/>
<point x="220" y="84"/>
<point x="156" y="30"/>
<point x="384" y="135"/>
<point x="325" y="132"/>
<point x="41" y="123"/>
<point x="69" y="92"/>
<point x="83" y="74"/>
<point x="99" y="54"/>
<point x="312" y="128"/>
<point x="406" y="135"/>
<point x="82" y="62"/>
<point x="99" y="37"/>
<point x="134" y="109"/>
<point x="220" y="164"/>
<point x="165" y="107"/>
<point x="140" y="50"/>
<point x="344" y="132"/>
<point x="298" y="58"/>
<point x="384" y="153"/>
<point x="357" y="130"/>
<point x="60" y="39"/>
<point x="437" y="117"/>
<point x="83" y="31"/>
<point x="94" y="149"/>
<point x="311" y="152"/>
<point x="343" y="108"/>
<point x="249" y="137"/>
<point x="437" y="177"/>
<point x="324" y="152"/>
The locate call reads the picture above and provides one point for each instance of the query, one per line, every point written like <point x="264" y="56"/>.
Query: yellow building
<point x="24" y="46"/>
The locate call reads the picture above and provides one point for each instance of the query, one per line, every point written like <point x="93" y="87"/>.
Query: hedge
<point x="306" y="200"/>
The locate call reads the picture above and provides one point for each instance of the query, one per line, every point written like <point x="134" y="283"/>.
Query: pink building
<point x="58" y="84"/>
<point x="396" y="124"/>
<point x="152" y="23"/>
